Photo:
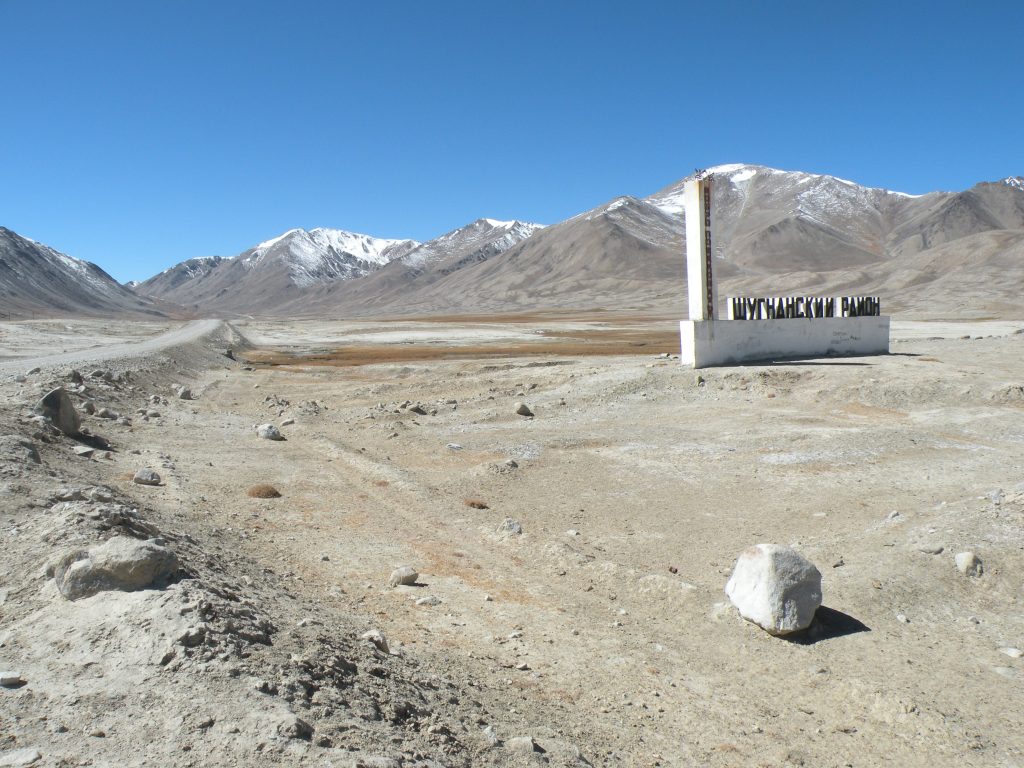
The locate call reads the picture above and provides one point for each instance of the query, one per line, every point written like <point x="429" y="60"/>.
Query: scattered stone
<point x="57" y="407"/>
<point x="229" y="354"/>
<point x="476" y="503"/>
<point x="11" y="679"/>
<point x="969" y="564"/>
<point x="936" y="549"/>
<point x="263" y="491"/>
<point x="146" y="477"/>
<point x="151" y="414"/>
<point x="404" y="575"/>
<point x="524" y="744"/>
<point x="33" y="371"/>
<point x="89" y="407"/>
<point x="574" y="532"/>
<point x="902" y="618"/>
<point x="377" y="639"/>
<point x="19" y="757"/>
<point x="19" y="378"/>
<point x="84" y="451"/>
<point x="522" y="666"/>
<point x="776" y="588"/>
<point x="184" y="393"/>
<point x="106" y="413"/>
<point x="453" y="447"/>
<point x="269" y="432"/>
<point x="418" y="409"/>
<point x="523" y="409"/>
<point x="375" y="761"/>
<point x="1013" y="653"/>
<point x="120" y="563"/>
<point x="429" y="601"/>
<point x="510" y="526"/>
<point x="75" y="377"/>
<point x="287" y="422"/>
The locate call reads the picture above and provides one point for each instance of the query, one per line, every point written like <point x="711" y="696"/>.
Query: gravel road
<point x="187" y="333"/>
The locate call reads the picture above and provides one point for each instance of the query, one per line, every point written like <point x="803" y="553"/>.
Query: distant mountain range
<point x="775" y="232"/>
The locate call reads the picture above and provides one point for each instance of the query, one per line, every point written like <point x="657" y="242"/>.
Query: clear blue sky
<point x="138" y="134"/>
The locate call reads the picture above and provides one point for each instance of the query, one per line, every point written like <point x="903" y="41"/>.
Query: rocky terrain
<point x="572" y="519"/>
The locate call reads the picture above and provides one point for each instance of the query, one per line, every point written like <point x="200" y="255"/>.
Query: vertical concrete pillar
<point x="701" y="288"/>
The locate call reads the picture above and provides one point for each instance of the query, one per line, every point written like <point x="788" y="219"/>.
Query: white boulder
<point x="269" y="432"/>
<point x="775" y="587"/>
<point x="404" y="575"/>
<point x="121" y="563"/>
<point x="969" y="564"/>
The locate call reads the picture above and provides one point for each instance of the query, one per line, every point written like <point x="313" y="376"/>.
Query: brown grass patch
<point x="381" y="483"/>
<point x="263" y="491"/>
<point x="476" y="503"/>
<point x="573" y="343"/>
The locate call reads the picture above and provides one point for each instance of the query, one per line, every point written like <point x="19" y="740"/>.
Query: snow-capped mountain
<point x="322" y="255"/>
<point x="413" y="272"/>
<point x="36" y="279"/>
<point x="774" y="232"/>
<point x="275" y="271"/>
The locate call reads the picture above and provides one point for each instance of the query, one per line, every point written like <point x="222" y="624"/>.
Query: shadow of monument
<point x="828" y="624"/>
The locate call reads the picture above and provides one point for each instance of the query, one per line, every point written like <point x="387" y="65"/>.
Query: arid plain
<point x="576" y="557"/>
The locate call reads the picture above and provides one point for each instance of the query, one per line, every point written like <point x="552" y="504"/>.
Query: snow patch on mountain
<point x="1017" y="182"/>
<point x="499" y="235"/>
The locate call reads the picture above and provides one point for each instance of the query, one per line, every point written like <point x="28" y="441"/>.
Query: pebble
<point x="523" y="409"/>
<point x="269" y="432"/>
<point x="376" y="637"/>
<point x="429" y="600"/>
<point x="146" y="477"/>
<point x="522" y="666"/>
<point x="969" y="564"/>
<point x="522" y="744"/>
<point x="937" y="549"/>
<point x="510" y="526"/>
<point x="453" y="447"/>
<point x="11" y="679"/>
<point x="403" y="575"/>
<point x="287" y="422"/>
<point x="902" y="619"/>
<point x="1013" y="653"/>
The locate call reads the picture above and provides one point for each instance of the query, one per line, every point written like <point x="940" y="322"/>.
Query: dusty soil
<point x="601" y="630"/>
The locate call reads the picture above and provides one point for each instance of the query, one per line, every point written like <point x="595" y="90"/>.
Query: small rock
<point x="510" y="526"/>
<point x="902" y="618"/>
<point x="287" y="422"/>
<point x="523" y="409"/>
<point x="375" y="761"/>
<point x="269" y="432"/>
<point x="151" y="414"/>
<point x="453" y="447"/>
<point x="146" y="477"/>
<point x="84" y="451"/>
<point x="524" y="744"/>
<point x="404" y="575"/>
<point x="936" y="549"/>
<point x="969" y="564"/>
<point x="377" y="639"/>
<point x="572" y="532"/>
<point x="89" y="407"/>
<point x="11" y="679"/>
<point x="106" y="413"/>
<point x="776" y="588"/>
<point x="19" y="757"/>
<point x="429" y="601"/>
<point x="522" y="666"/>
<point x="1013" y="653"/>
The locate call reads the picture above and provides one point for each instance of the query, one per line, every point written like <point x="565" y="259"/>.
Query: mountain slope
<point x="274" y="272"/>
<point x="38" y="280"/>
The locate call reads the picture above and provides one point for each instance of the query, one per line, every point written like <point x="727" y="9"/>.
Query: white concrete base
<point x="727" y="342"/>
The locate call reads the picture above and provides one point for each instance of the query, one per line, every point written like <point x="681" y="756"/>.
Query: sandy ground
<point x="30" y="338"/>
<point x="601" y="629"/>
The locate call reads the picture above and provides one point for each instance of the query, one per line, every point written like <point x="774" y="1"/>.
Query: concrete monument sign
<point x="769" y="327"/>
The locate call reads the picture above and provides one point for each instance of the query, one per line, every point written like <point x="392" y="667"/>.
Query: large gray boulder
<point x="776" y="588"/>
<point x="56" y="406"/>
<point x="121" y="563"/>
